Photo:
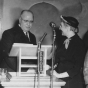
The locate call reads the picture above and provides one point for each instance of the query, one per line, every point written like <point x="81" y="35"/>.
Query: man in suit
<point x="70" y="54"/>
<point x="18" y="34"/>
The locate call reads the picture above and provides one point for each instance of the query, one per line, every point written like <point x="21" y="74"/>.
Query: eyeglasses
<point x="27" y="21"/>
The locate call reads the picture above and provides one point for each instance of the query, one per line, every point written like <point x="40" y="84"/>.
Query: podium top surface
<point x="27" y="48"/>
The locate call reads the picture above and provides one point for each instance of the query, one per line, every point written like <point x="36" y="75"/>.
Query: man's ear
<point x="19" y="20"/>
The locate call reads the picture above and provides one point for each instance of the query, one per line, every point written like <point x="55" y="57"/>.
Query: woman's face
<point x="64" y="28"/>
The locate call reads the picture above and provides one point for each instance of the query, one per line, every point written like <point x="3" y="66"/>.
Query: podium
<point x="27" y="58"/>
<point x="29" y="79"/>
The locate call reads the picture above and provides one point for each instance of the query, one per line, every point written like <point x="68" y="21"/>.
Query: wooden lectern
<point x="29" y="78"/>
<point x="27" y="58"/>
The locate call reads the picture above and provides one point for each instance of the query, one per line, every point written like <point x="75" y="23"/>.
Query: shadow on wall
<point x="44" y="13"/>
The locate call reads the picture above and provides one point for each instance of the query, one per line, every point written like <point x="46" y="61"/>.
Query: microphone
<point x="52" y="24"/>
<point x="42" y="38"/>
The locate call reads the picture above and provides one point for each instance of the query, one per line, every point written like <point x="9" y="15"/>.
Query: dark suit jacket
<point x="71" y="60"/>
<point x="9" y="37"/>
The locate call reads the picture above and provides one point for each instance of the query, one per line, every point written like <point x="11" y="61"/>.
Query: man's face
<point x="64" y="28"/>
<point x="26" y="21"/>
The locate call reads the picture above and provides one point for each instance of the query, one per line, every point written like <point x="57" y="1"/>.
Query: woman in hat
<point x="70" y="54"/>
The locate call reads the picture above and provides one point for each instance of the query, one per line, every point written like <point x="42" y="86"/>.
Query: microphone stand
<point x="53" y="56"/>
<point x="39" y="50"/>
<point x="40" y="57"/>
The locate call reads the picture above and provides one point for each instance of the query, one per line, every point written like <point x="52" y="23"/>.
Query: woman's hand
<point x="59" y="75"/>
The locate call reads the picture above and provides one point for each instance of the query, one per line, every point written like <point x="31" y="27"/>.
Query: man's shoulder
<point x="11" y="30"/>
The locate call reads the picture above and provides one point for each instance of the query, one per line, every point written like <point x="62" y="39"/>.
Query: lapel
<point x="21" y="37"/>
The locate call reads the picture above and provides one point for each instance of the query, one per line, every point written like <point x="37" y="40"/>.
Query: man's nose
<point x="29" y="24"/>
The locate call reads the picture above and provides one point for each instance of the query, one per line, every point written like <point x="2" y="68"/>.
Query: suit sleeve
<point x="6" y="42"/>
<point x="6" y="45"/>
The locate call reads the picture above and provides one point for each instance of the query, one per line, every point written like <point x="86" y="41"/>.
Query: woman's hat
<point x="70" y="20"/>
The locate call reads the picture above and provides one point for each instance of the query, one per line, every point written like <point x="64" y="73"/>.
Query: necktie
<point x="66" y="42"/>
<point x="27" y="35"/>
